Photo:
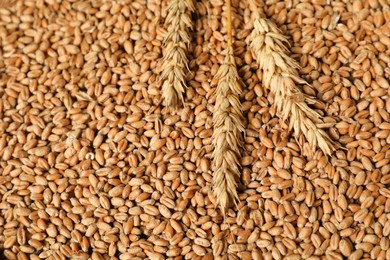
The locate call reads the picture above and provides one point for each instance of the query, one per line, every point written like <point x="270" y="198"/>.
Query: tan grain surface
<point x="92" y="166"/>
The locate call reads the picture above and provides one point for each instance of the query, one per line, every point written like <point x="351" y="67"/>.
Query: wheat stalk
<point x="176" y="43"/>
<point x="280" y="75"/>
<point x="228" y="123"/>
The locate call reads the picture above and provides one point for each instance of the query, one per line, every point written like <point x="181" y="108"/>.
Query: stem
<point x="229" y="21"/>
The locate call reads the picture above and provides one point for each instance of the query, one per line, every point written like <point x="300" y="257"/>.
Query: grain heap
<point x="92" y="165"/>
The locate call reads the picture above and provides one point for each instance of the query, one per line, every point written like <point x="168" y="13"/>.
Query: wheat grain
<point x="176" y="44"/>
<point x="5" y="3"/>
<point x="280" y="74"/>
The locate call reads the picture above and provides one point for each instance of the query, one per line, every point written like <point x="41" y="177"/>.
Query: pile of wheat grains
<point x="92" y="166"/>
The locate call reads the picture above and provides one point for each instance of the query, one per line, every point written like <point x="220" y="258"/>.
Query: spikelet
<point x="176" y="44"/>
<point x="280" y="75"/>
<point x="228" y="125"/>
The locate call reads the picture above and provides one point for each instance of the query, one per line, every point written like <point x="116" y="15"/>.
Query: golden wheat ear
<point x="5" y="3"/>
<point x="175" y="56"/>
<point x="281" y="76"/>
<point x="228" y="125"/>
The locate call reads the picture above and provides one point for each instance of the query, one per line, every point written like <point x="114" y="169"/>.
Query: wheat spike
<point x="280" y="75"/>
<point x="228" y="125"/>
<point x="176" y="43"/>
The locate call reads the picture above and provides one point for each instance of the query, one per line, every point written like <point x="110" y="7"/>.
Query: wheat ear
<point x="280" y="75"/>
<point x="228" y="125"/>
<point x="176" y="44"/>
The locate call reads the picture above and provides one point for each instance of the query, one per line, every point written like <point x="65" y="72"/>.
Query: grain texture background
<point x="92" y="166"/>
